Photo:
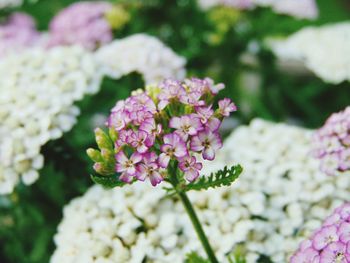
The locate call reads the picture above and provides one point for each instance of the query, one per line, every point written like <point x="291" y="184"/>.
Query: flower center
<point x="129" y="164"/>
<point x="206" y="144"/>
<point x="339" y="257"/>
<point x="186" y="128"/>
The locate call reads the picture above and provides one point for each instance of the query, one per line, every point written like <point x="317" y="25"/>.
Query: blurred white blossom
<point x="143" y="54"/>
<point x="37" y="91"/>
<point x="324" y="50"/>
<point x="10" y="3"/>
<point x="280" y="198"/>
<point x="302" y="9"/>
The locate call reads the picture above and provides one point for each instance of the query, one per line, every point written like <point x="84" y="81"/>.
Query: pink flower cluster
<point x="330" y="243"/>
<point x="332" y="143"/>
<point x="81" y="23"/>
<point x="18" y="32"/>
<point x="168" y="129"/>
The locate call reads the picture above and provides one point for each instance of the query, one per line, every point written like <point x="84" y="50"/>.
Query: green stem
<point x="192" y="214"/>
<point x="198" y="227"/>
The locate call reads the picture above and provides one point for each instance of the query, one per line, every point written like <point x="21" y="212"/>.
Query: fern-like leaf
<point x="193" y="257"/>
<point x="224" y="177"/>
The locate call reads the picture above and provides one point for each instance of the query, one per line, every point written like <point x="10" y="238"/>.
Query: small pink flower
<point x="140" y="141"/>
<point x="152" y="129"/>
<point x="214" y="89"/>
<point x="127" y="165"/>
<point x="117" y="121"/>
<point x="208" y="142"/>
<point x="186" y="125"/>
<point x="344" y="232"/>
<point x="170" y="90"/>
<point x="173" y="146"/>
<point x="213" y="124"/>
<point x="204" y="113"/>
<point x="226" y="106"/>
<point x="335" y="252"/>
<point x="325" y="236"/>
<point x="124" y="137"/>
<point x="190" y="167"/>
<point x="149" y="168"/>
<point x="309" y="255"/>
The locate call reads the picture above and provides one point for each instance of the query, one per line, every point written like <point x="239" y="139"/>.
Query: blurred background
<point x="231" y="45"/>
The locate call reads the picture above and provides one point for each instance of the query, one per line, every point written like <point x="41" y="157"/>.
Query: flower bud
<point x="117" y="17"/>
<point x="102" y="139"/>
<point x="103" y="169"/>
<point x="94" y="155"/>
<point x="108" y="156"/>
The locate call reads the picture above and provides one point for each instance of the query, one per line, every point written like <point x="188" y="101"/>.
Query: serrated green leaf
<point x="224" y="177"/>
<point x="107" y="181"/>
<point x="193" y="257"/>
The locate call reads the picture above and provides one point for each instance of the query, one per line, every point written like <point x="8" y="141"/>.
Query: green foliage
<point x="193" y="257"/>
<point x="107" y="181"/>
<point x="224" y="177"/>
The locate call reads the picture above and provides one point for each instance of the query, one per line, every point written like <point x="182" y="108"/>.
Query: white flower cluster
<point x="10" y="3"/>
<point x="303" y="9"/>
<point x="143" y="54"/>
<point x="324" y="50"/>
<point x="280" y="198"/>
<point x="39" y="87"/>
<point x="297" y="8"/>
<point x="37" y="92"/>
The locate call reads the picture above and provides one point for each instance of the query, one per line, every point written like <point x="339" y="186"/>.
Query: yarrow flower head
<point x="332" y="143"/>
<point x="152" y="131"/>
<point x="83" y="23"/>
<point x="330" y="243"/>
<point x="18" y="32"/>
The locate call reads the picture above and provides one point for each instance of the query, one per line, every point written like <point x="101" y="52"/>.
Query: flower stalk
<point x="172" y="171"/>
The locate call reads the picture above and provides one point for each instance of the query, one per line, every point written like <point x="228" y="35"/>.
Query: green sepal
<point x="109" y="182"/>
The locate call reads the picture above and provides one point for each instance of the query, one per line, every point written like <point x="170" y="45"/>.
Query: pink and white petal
<point x="142" y="148"/>
<point x="216" y="141"/>
<point x="196" y="144"/>
<point x="175" y="122"/>
<point x="121" y="157"/>
<point x="124" y="177"/>
<point x="162" y="104"/>
<point x="180" y="150"/>
<point x="131" y="171"/>
<point x="209" y="154"/>
<point x="191" y="174"/>
<point x="198" y="166"/>
<point x="213" y="124"/>
<point x="168" y="138"/>
<point x="136" y="157"/>
<point x="155" y="178"/>
<point x="141" y="173"/>
<point x="119" y="168"/>
<point x="163" y="160"/>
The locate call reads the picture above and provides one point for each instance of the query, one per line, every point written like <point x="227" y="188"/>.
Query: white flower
<point x="279" y="198"/>
<point x="298" y="8"/>
<point x="37" y="91"/>
<point x="324" y="50"/>
<point x="143" y="54"/>
<point x="10" y="3"/>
